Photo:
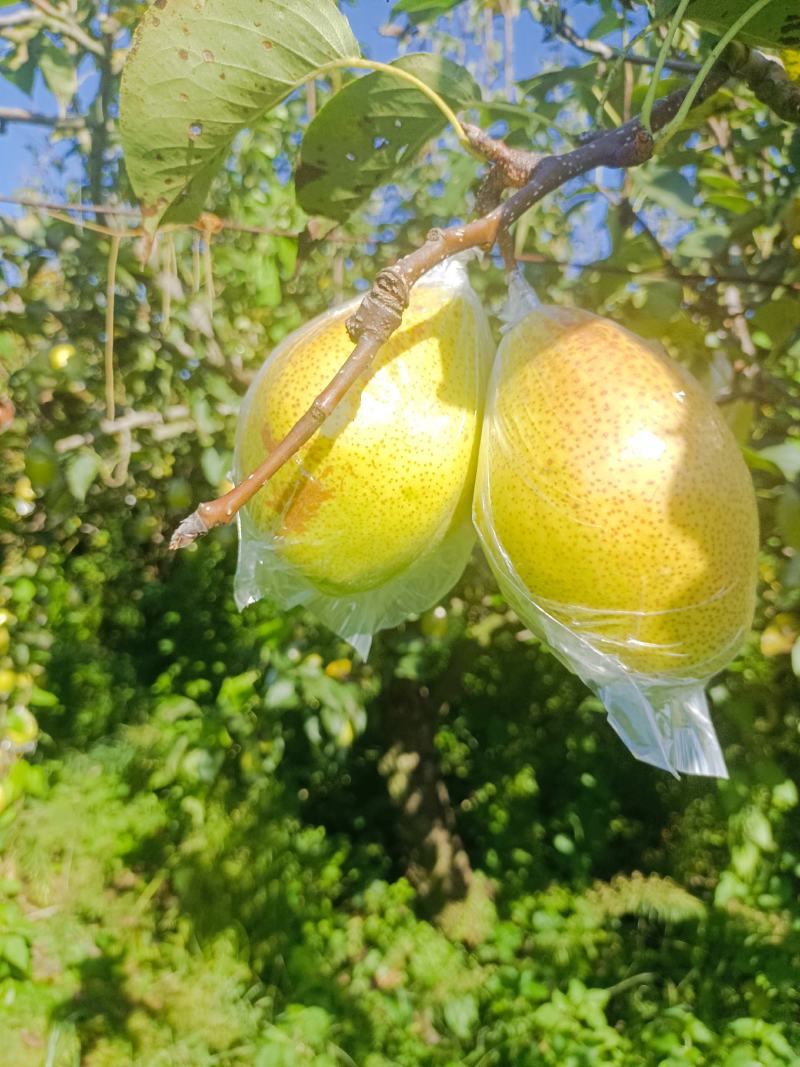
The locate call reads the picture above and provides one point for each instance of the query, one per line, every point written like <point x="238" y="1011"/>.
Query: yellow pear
<point x="385" y="486"/>
<point x="612" y="495"/>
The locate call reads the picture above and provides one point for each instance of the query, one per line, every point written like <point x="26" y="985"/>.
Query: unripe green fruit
<point x="612" y="494"/>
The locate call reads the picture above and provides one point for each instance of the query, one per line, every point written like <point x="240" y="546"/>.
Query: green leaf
<point x="660" y="297"/>
<point x="267" y="282"/>
<point x="785" y="456"/>
<point x="371" y="129"/>
<point x="60" y="74"/>
<point x="461" y="1015"/>
<point x="198" y="74"/>
<point x="82" y="469"/>
<point x="734" y="202"/>
<point x="668" y="188"/>
<point x="775" y="26"/>
<point x="16" y="951"/>
<point x="21" y="66"/>
<point x="423" y="10"/>
<point x="541" y="84"/>
<point x="704" y="241"/>
<point x="175" y="707"/>
<point x="716" y="180"/>
<point x="787" y="517"/>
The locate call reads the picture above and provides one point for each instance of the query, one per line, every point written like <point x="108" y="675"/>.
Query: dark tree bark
<point x="437" y="864"/>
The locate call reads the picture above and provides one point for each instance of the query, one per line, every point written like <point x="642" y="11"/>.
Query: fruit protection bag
<point x="619" y="519"/>
<point x="370" y="522"/>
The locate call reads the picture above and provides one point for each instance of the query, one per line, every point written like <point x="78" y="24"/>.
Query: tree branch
<point x="766" y="79"/>
<point x="381" y="311"/>
<point x="67" y="28"/>
<point x="606" y="51"/>
<point x="35" y="118"/>
<point x="18" y="18"/>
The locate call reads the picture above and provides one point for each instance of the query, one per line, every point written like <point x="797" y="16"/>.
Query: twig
<point x="18" y="18"/>
<point x="69" y="29"/>
<point x="35" y="118"/>
<point x="200" y="224"/>
<point x="381" y="311"/>
<point x="119" y="474"/>
<point x="83" y="209"/>
<point x="175" y="420"/>
<point x="606" y="51"/>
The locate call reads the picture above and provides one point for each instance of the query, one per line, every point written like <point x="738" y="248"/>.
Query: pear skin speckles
<point x="385" y="476"/>
<point x="618" y="494"/>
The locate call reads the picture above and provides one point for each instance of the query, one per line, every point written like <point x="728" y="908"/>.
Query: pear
<point x="379" y="501"/>
<point x="612" y="498"/>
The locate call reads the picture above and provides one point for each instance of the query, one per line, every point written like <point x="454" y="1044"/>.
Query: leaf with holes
<point x="776" y="26"/>
<point x="371" y="128"/>
<point x="199" y="73"/>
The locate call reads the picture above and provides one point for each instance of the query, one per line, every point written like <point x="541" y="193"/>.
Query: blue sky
<point x="28" y="159"/>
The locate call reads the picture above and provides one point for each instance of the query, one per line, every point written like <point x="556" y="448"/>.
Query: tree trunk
<point x="438" y="866"/>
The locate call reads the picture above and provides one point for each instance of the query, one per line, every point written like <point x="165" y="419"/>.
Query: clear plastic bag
<point x="619" y="519"/>
<point x="370" y="522"/>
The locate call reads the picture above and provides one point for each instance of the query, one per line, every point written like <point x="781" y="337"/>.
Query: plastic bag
<point x="619" y="519"/>
<point x="370" y="522"/>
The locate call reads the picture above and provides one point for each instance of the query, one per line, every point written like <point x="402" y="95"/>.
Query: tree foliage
<point x="208" y="852"/>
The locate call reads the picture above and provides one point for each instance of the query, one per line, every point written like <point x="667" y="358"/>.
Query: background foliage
<point x="204" y="853"/>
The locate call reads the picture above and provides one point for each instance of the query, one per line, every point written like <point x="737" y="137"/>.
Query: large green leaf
<point x="371" y="128"/>
<point x="776" y="26"/>
<point x="197" y="73"/>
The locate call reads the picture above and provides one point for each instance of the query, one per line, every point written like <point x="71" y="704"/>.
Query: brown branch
<point x="514" y="165"/>
<point x="606" y="51"/>
<point x="766" y="79"/>
<point x="83" y="209"/>
<point x="35" y="118"/>
<point x="380" y="313"/>
<point x="175" y="420"/>
<point x="200" y="224"/>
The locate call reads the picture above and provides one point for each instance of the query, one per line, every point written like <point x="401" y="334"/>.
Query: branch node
<point x="637" y="149"/>
<point x="318" y="412"/>
<point x="515" y="165"/>
<point x="381" y="310"/>
<point x="189" y="530"/>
